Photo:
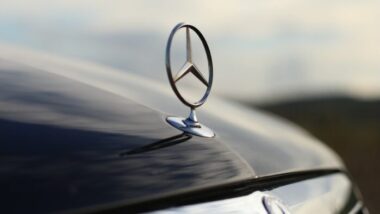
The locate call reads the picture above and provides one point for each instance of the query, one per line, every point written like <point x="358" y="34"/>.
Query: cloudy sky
<point x="261" y="49"/>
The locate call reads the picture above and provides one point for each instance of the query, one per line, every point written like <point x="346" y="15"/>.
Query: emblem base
<point x="198" y="130"/>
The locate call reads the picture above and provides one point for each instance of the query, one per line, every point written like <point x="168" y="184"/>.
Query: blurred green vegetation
<point x="349" y="126"/>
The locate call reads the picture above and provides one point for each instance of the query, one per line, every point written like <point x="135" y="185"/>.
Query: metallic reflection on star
<point x="189" y="66"/>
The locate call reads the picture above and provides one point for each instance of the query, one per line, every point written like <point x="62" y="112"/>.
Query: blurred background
<point x="315" y="63"/>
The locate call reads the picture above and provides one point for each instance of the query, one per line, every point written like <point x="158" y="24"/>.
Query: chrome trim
<point x="359" y="208"/>
<point x="328" y="194"/>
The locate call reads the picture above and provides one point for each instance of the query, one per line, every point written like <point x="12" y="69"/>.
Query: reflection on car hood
<point x="87" y="134"/>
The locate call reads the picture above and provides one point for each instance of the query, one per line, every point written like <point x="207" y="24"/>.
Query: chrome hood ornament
<point x="190" y="124"/>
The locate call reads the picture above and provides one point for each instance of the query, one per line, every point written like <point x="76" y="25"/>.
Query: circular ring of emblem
<point x="189" y="66"/>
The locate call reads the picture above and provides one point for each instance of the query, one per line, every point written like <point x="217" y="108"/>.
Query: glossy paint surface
<point x="74" y="146"/>
<point x="78" y="135"/>
<point x="329" y="194"/>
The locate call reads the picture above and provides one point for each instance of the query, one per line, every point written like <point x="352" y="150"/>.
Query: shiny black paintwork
<point x="103" y="148"/>
<point x="332" y="193"/>
<point x="76" y="136"/>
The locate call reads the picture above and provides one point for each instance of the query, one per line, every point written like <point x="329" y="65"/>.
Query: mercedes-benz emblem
<point x="273" y="205"/>
<point x="190" y="124"/>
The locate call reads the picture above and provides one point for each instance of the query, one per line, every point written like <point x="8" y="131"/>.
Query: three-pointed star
<point x="189" y="67"/>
